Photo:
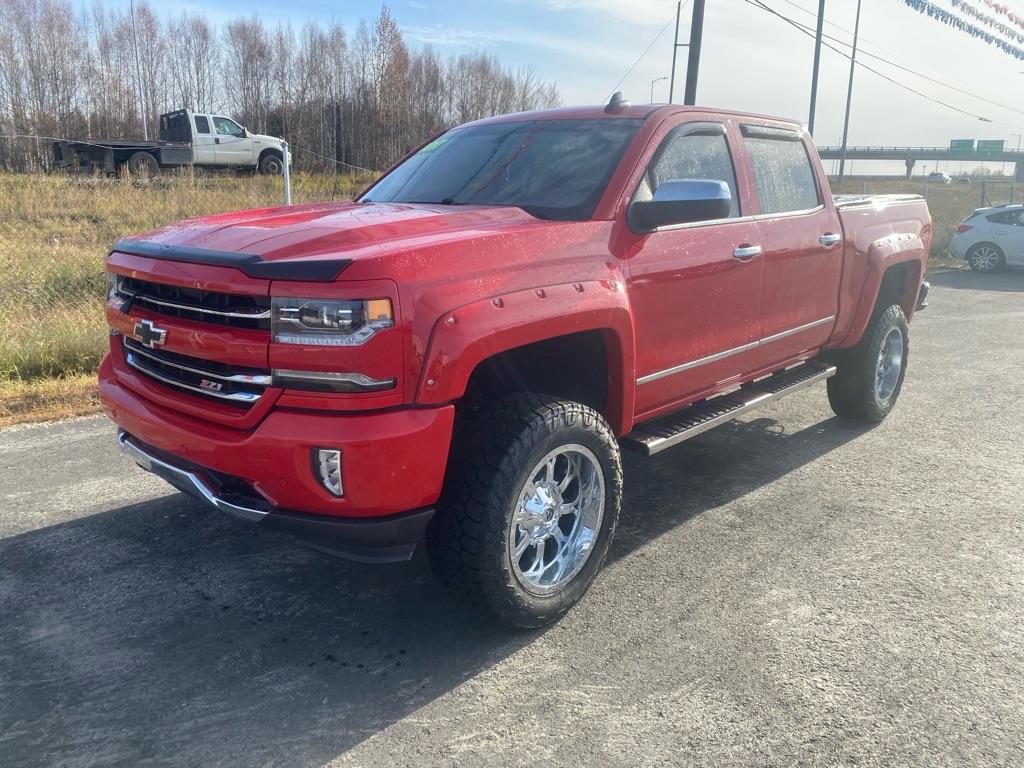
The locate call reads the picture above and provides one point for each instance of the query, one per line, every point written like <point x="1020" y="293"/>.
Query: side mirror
<point x="245" y="134"/>
<point x="681" y="201"/>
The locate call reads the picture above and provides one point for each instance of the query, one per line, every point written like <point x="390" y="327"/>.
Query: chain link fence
<point x="56" y="229"/>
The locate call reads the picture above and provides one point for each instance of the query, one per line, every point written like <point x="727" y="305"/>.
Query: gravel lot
<point x="787" y="590"/>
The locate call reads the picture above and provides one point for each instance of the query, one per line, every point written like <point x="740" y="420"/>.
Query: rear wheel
<point x="530" y="505"/>
<point x="142" y="165"/>
<point x="271" y="165"/>
<point x="869" y="377"/>
<point x="986" y="257"/>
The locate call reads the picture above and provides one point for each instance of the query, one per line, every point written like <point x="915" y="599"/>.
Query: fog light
<point x="327" y="466"/>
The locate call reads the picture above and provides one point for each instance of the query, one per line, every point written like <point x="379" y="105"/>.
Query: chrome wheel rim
<point x="557" y="519"/>
<point x="890" y="363"/>
<point x="985" y="258"/>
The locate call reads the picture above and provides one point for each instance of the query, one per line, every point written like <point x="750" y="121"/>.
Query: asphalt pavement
<point x="786" y="590"/>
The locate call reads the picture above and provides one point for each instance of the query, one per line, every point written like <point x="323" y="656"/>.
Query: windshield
<point x="552" y="169"/>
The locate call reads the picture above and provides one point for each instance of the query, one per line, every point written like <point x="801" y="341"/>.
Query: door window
<point x="691" y="152"/>
<point x="226" y="127"/>
<point x="1011" y="218"/>
<point x="783" y="174"/>
<point x="202" y="124"/>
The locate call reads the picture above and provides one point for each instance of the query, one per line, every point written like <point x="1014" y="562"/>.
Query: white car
<point x="991" y="238"/>
<point x="940" y="177"/>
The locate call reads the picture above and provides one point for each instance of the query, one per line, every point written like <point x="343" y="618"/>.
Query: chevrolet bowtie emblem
<point x="147" y="333"/>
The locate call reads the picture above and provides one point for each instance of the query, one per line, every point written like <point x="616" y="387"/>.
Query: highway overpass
<point x="910" y="156"/>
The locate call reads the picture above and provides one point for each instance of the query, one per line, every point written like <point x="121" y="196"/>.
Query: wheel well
<point x="899" y="286"/>
<point x="976" y="246"/>
<point x="275" y="152"/>
<point x="573" y="367"/>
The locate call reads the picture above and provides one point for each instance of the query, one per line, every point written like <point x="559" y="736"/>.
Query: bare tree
<point x="362" y="100"/>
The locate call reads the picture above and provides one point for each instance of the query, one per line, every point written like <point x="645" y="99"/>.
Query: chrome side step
<point x="664" y="432"/>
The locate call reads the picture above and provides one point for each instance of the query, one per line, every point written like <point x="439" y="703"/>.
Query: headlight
<point x="113" y="284"/>
<point x="329" y="323"/>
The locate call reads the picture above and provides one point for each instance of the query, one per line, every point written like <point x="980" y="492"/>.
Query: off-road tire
<point x="142" y="165"/>
<point x="986" y="265"/>
<point x="852" y="392"/>
<point x="494" y="448"/>
<point x="271" y="164"/>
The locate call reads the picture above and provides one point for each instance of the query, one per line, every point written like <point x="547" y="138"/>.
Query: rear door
<point x="232" y="146"/>
<point x="801" y="238"/>
<point x="1008" y="232"/>
<point x="202" y="140"/>
<point x="695" y="289"/>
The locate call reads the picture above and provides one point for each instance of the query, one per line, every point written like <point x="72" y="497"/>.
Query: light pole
<point x="656" y="80"/>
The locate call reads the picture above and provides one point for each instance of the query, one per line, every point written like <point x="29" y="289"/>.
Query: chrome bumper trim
<point x="238" y="397"/>
<point x="186" y="481"/>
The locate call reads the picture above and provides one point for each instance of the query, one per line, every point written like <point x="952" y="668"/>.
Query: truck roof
<point x="635" y="111"/>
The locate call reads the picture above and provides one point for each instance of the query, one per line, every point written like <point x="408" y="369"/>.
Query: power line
<point x="897" y="65"/>
<point x="796" y="25"/>
<point x="657" y="37"/>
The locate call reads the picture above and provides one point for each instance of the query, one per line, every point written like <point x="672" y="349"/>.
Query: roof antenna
<point x="616" y="103"/>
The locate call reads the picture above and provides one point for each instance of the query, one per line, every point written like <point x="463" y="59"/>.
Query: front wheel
<point x="271" y="165"/>
<point x="869" y="376"/>
<point x="530" y="505"/>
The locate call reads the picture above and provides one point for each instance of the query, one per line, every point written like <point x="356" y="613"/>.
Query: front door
<point x="233" y="147"/>
<point x="1008" y="232"/>
<point x="695" y="289"/>
<point x="802" y="241"/>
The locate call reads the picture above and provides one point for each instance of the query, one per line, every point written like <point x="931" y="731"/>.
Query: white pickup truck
<point x="186" y="138"/>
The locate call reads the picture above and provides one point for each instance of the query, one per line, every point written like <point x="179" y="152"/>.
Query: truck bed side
<point x="886" y="243"/>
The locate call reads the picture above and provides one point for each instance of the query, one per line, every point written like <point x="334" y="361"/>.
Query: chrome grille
<point x="235" y="385"/>
<point x="230" y="309"/>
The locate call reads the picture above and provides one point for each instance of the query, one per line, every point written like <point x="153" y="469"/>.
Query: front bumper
<point x="374" y="540"/>
<point x="393" y="465"/>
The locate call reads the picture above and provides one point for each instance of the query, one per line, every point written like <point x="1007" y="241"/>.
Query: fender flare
<point x="883" y="254"/>
<point x="463" y="338"/>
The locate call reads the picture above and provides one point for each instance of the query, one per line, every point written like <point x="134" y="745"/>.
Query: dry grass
<point x="949" y="204"/>
<point x="56" y="230"/>
<point x="47" y="399"/>
<point x="54" y="234"/>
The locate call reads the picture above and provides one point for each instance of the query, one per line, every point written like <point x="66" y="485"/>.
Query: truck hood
<point x="349" y="230"/>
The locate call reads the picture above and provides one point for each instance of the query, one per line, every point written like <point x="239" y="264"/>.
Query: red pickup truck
<point x="460" y="352"/>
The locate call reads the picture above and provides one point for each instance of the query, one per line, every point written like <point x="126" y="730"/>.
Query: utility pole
<point x="849" y="94"/>
<point x="675" y="49"/>
<point x="693" y="61"/>
<point x="138" y="74"/>
<point x="817" y="62"/>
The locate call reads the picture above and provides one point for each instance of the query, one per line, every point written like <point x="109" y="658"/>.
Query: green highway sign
<point x="961" y="145"/>
<point x="990" y="146"/>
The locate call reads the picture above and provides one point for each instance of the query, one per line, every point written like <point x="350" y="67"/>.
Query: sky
<point x="751" y="60"/>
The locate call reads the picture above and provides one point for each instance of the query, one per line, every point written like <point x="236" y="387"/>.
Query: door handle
<point x="829" y="239"/>
<point x="746" y="252"/>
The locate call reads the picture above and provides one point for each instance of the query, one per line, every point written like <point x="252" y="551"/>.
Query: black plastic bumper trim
<point x="317" y="271"/>
<point x="390" y="539"/>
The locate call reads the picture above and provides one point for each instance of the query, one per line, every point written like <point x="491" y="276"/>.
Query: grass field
<point x="56" y="230"/>
<point x="54" y="234"/>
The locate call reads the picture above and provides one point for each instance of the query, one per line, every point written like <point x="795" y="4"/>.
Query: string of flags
<point x="997" y="25"/>
<point x="1005" y="11"/>
<point x="952" y="20"/>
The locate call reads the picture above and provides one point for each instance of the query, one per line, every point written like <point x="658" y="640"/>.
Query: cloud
<point x="641" y="13"/>
<point x="456" y="37"/>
